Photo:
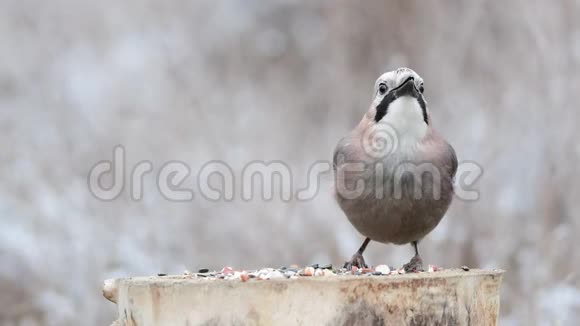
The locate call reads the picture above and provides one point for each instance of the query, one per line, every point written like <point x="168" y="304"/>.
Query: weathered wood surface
<point x="450" y="297"/>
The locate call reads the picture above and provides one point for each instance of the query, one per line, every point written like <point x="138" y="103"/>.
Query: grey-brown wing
<point x="337" y="152"/>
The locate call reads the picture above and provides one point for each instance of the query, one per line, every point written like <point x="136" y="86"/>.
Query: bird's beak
<point x="407" y="88"/>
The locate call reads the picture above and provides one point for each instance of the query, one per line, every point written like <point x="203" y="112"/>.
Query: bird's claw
<point x="356" y="260"/>
<point x="415" y="265"/>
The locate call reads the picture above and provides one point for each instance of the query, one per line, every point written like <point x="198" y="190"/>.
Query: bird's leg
<point x="416" y="263"/>
<point x="357" y="259"/>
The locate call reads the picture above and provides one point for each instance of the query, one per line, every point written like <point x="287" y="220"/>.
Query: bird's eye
<point x="421" y="88"/>
<point x="382" y="88"/>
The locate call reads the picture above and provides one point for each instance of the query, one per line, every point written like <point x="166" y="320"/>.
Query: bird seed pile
<point x="295" y="272"/>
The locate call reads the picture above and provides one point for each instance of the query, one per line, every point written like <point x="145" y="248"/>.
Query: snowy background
<point x="240" y="81"/>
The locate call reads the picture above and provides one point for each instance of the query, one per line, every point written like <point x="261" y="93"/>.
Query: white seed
<point x="383" y="269"/>
<point x="328" y="272"/>
<point x="289" y="273"/>
<point x="275" y="275"/>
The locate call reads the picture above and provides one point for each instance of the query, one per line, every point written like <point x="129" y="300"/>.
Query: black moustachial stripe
<point x="383" y="107"/>
<point x="423" y="108"/>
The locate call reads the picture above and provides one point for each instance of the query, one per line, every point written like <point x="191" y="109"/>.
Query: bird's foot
<point x="356" y="260"/>
<point x="415" y="265"/>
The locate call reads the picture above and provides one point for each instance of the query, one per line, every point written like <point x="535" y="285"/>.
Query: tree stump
<point x="449" y="297"/>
